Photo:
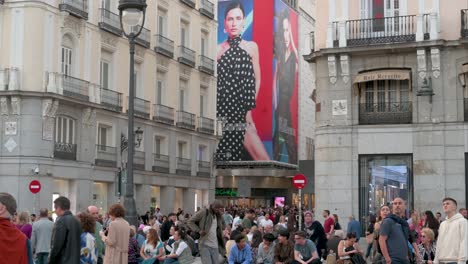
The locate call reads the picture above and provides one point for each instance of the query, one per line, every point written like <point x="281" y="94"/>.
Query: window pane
<point x="59" y="130"/>
<point x="157" y="146"/>
<point x="70" y="131"/>
<point x="381" y="95"/>
<point x="182" y="100"/>
<point x="159" y="92"/>
<point x="369" y="96"/>
<point x="202" y="106"/>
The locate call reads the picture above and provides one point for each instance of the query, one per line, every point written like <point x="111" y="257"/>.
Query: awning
<point x="380" y="75"/>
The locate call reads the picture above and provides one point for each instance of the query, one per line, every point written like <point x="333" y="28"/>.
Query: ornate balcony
<point x="206" y="65"/>
<point x="144" y="39"/>
<point x="106" y="156"/>
<point x="205" y="125"/>
<point x="185" y="120"/>
<point x="164" y="46"/>
<point x="110" y="22"/>
<point x="111" y="100"/>
<point x="184" y="166"/>
<point x="77" y="8"/>
<point x="204" y="169"/>
<point x="161" y="163"/>
<point x="141" y="108"/>
<point x="464" y="23"/>
<point x="139" y="160"/>
<point x="163" y="114"/>
<point x="189" y="3"/>
<point x="186" y="56"/>
<point x="65" y="151"/>
<point x="207" y="9"/>
<point x="385" y="113"/>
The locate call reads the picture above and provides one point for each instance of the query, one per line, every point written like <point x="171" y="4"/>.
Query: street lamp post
<point x="132" y="19"/>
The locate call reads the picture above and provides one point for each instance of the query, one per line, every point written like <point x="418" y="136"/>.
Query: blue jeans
<point x="41" y="258"/>
<point x="171" y="261"/>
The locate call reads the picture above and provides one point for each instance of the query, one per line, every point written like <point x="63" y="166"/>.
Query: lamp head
<point x="139" y="136"/>
<point x="132" y="14"/>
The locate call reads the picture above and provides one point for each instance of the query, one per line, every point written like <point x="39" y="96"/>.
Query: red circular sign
<point x="35" y="186"/>
<point x="299" y="181"/>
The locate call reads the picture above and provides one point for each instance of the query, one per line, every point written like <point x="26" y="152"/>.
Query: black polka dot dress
<point x="236" y="96"/>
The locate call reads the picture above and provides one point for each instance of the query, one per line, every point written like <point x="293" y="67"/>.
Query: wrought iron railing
<point x="206" y="65"/>
<point x="141" y="107"/>
<point x="185" y="120"/>
<point x="161" y="163"/>
<point x="183" y="166"/>
<point x="144" y="39"/>
<point x="186" y="56"/>
<point x="163" y="114"/>
<point x="464" y="23"/>
<point x="465" y="101"/>
<point x="381" y="30"/>
<point x="65" y="151"/>
<point x="139" y="160"/>
<point x="190" y="3"/>
<point x="205" y="125"/>
<point x="106" y="156"/>
<point x="385" y="113"/>
<point x="427" y="26"/>
<point x="204" y="168"/>
<point x="111" y="100"/>
<point x="78" y="8"/>
<point x="75" y="88"/>
<point x="110" y="22"/>
<point x="164" y="46"/>
<point x="207" y="8"/>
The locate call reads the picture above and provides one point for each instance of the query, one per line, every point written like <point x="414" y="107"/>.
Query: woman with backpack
<point x="383" y="213"/>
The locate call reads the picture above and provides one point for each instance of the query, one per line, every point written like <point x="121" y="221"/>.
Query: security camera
<point x="36" y="170"/>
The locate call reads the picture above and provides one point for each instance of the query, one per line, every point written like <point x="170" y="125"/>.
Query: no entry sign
<point x="34" y="186"/>
<point x="299" y="181"/>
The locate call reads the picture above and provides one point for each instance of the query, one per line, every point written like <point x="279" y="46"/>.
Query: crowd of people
<point x="230" y="235"/>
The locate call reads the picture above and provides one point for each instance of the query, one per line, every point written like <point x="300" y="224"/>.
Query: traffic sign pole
<point x="299" y="182"/>
<point x="300" y="209"/>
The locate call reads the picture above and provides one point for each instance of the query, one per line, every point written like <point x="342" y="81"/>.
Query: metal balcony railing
<point x="75" y="88"/>
<point x="110" y="22"/>
<point x="139" y="160"/>
<point x="207" y="9"/>
<point x="111" y="100"/>
<point x="464" y="23"/>
<point x="385" y="113"/>
<point x="206" y="65"/>
<point x="144" y="39"/>
<point x="183" y="166"/>
<point x="161" y="163"/>
<point x="205" y="125"/>
<point x="65" y="151"/>
<point x="141" y="108"/>
<point x="2" y="2"/>
<point x="186" y="56"/>
<point x="106" y="156"/>
<point x="163" y="114"/>
<point x="185" y="120"/>
<point x="164" y="46"/>
<point x="189" y="3"/>
<point x="204" y="169"/>
<point x="362" y="32"/>
<point x="465" y="104"/>
<point x="77" y="8"/>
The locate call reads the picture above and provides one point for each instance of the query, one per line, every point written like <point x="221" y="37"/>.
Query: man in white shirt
<point x="266" y="221"/>
<point x="452" y="244"/>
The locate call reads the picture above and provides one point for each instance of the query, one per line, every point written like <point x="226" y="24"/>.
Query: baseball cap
<point x="9" y="202"/>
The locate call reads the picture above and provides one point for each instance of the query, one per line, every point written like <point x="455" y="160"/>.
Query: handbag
<point x="370" y="238"/>
<point x="196" y="235"/>
<point x="358" y="259"/>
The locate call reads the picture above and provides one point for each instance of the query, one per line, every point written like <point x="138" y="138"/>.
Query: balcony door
<point x="382" y="15"/>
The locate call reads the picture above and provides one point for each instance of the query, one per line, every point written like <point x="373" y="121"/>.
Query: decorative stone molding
<point x="15" y="105"/>
<point x="344" y="60"/>
<point x="435" y="61"/>
<point x="109" y="41"/>
<point x="184" y="72"/>
<point x="332" y="69"/>
<point x="163" y="4"/>
<point x="162" y="63"/>
<point x="139" y="54"/>
<point x="88" y="117"/>
<point x="421" y="56"/>
<point x="185" y="16"/>
<point x="72" y="24"/>
<point x="49" y="110"/>
<point x="4" y="106"/>
<point x="13" y="82"/>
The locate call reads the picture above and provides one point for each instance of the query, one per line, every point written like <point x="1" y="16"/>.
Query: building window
<point x="383" y="178"/>
<point x="162" y="23"/>
<point x="159" y="145"/>
<point x="66" y="61"/>
<point x="204" y="44"/>
<point x="201" y="152"/>
<point x="104" y="132"/>
<point x="181" y="149"/>
<point x="310" y="148"/>
<point x="184" y="34"/>
<point x="203" y="101"/>
<point x="160" y="87"/>
<point x="64" y="130"/>
<point x="104" y="74"/>
<point x="385" y="102"/>
<point x="183" y="95"/>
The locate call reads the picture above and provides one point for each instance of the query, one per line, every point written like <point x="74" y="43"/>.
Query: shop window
<point x="383" y="178"/>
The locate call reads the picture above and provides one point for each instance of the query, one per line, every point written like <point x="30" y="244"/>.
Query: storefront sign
<point x="383" y="75"/>
<point x="226" y="192"/>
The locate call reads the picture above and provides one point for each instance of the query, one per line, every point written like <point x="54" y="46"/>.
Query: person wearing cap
<point x="284" y="249"/>
<point x="452" y="244"/>
<point x="14" y="244"/>
<point x="66" y="235"/>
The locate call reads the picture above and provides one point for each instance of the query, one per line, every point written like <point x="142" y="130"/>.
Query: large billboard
<point x="257" y="104"/>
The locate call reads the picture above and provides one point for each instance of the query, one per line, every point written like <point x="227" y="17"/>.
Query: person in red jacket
<point x="13" y="243"/>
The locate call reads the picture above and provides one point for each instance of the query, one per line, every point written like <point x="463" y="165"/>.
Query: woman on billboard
<point x="284" y="83"/>
<point x="238" y="85"/>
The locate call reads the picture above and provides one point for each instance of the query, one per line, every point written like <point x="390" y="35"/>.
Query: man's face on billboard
<point x="234" y="22"/>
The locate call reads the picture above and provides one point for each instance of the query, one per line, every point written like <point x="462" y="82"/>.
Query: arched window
<point x="66" y="59"/>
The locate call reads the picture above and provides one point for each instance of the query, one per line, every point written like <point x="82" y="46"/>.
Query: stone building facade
<point x="63" y="100"/>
